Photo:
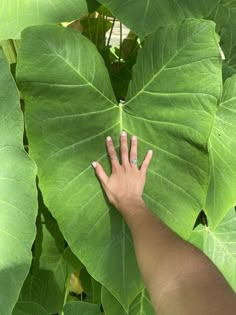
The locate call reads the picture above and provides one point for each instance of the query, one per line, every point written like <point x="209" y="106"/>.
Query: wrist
<point x="130" y="206"/>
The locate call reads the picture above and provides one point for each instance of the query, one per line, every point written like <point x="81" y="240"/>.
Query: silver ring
<point x="134" y="161"/>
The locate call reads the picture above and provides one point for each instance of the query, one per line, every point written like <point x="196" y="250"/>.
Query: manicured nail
<point x="94" y="164"/>
<point x="134" y="138"/>
<point x="150" y="152"/>
<point x="123" y="134"/>
<point x="108" y="138"/>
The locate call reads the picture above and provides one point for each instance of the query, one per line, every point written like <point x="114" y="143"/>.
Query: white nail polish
<point x="134" y="138"/>
<point x="108" y="138"/>
<point x="150" y="151"/>
<point x="123" y="134"/>
<point x="94" y="164"/>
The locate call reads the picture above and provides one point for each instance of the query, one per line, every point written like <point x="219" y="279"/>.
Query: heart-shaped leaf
<point x="71" y="108"/>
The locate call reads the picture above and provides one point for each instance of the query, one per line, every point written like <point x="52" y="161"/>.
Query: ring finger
<point x="134" y="151"/>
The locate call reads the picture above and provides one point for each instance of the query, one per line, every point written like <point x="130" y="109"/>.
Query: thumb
<point x="101" y="174"/>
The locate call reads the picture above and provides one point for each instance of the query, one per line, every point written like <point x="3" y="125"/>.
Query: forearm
<point x="173" y="269"/>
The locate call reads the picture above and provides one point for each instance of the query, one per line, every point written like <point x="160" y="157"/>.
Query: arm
<point x="180" y="279"/>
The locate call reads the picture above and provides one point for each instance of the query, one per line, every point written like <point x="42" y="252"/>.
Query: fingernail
<point x="108" y="138"/>
<point x="150" y="151"/>
<point x="134" y="138"/>
<point x="94" y="164"/>
<point x="123" y="134"/>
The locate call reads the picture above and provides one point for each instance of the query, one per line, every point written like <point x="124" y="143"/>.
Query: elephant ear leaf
<point x="66" y="87"/>
<point x="222" y="148"/>
<point x="219" y="244"/>
<point x="17" y="194"/>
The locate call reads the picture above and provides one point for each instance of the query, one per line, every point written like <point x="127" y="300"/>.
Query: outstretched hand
<point x="126" y="182"/>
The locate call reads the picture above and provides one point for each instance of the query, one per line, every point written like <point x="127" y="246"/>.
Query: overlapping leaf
<point x="140" y="306"/>
<point x="222" y="145"/>
<point x="151" y="14"/>
<point x="219" y="244"/>
<point x="52" y="265"/>
<point x="70" y="109"/>
<point x="18" y="14"/>
<point x="17" y="194"/>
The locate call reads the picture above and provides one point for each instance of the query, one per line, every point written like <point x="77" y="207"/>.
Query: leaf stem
<point x="109" y="38"/>
<point x="120" y="45"/>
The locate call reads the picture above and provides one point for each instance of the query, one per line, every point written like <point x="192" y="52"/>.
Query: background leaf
<point x="222" y="146"/>
<point x="29" y="308"/>
<point x="82" y="308"/>
<point x="53" y="263"/>
<point x="17" y="194"/>
<point x="219" y="245"/>
<point x="18" y="14"/>
<point x="66" y="87"/>
<point x="151" y="14"/>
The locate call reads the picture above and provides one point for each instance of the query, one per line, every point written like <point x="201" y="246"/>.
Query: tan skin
<point x="180" y="279"/>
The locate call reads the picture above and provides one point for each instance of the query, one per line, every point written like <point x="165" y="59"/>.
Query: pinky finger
<point x="101" y="174"/>
<point x="146" y="162"/>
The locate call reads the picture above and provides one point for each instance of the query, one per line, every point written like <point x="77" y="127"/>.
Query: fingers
<point x="124" y="149"/>
<point x="112" y="152"/>
<point x="146" y="162"/>
<point x="134" y="151"/>
<point x="101" y="174"/>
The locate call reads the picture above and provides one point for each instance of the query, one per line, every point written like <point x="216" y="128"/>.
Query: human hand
<point x="126" y="182"/>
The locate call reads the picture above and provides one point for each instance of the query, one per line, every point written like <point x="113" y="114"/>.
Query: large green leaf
<point x="219" y="245"/>
<point x="17" y="194"/>
<point x="82" y="308"/>
<point x="145" y="16"/>
<point x="70" y="109"/>
<point x="140" y="306"/>
<point x="222" y="145"/>
<point x="18" y="14"/>
<point x="29" y="308"/>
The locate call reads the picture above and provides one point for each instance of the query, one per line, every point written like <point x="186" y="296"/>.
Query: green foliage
<point x="168" y="71"/>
